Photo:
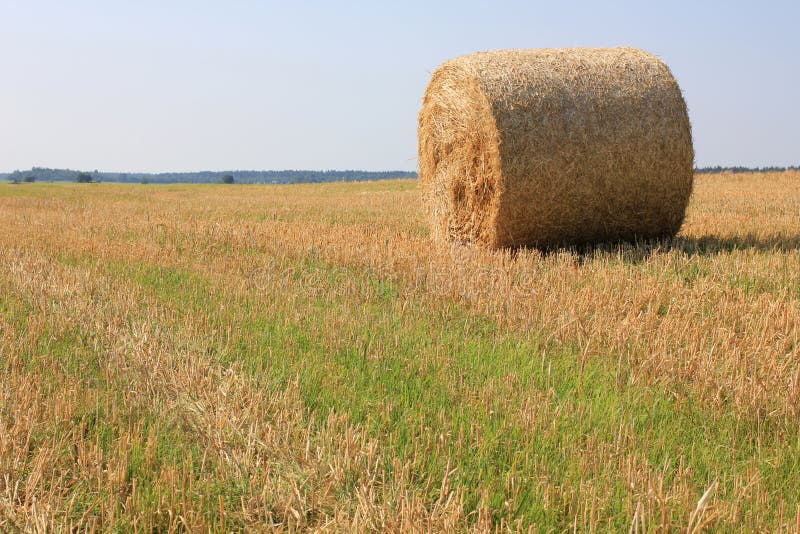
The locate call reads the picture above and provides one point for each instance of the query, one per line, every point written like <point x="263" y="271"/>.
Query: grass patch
<point x="497" y="405"/>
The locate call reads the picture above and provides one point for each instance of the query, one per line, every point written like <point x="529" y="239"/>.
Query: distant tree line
<point x="718" y="169"/>
<point x="41" y="174"/>
<point x="16" y="180"/>
<point x="84" y="178"/>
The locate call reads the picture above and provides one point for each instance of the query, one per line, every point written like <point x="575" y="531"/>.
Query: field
<point x="303" y="357"/>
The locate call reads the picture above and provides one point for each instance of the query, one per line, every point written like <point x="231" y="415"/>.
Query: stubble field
<point x="303" y="357"/>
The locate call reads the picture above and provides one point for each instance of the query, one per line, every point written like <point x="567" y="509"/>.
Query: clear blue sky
<point x="193" y="85"/>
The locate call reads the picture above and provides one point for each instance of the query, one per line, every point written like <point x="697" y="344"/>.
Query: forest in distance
<point x="43" y="174"/>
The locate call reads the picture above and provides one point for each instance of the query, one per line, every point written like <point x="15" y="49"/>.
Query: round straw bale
<point x="552" y="147"/>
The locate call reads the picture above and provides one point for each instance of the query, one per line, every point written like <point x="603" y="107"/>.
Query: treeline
<point x="718" y="169"/>
<point x="41" y="174"/>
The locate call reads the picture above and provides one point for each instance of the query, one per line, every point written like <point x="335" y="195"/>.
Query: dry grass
<point x="301" y="357"/>
<point x="548" y="147"/>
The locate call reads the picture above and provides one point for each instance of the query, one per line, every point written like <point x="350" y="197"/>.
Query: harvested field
<point x="302" y="357"/>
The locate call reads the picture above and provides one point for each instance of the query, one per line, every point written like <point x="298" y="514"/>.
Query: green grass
<point x="59" y="353"/>
<point x="424" y="378"/>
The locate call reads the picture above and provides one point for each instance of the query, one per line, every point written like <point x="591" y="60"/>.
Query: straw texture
<point x="550" y="147"/>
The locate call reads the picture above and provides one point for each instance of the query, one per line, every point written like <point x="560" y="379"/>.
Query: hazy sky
<point x="176" y="85"/>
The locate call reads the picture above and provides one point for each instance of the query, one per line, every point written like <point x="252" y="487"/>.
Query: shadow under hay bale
<point x="553" y="147"/>
<point x="640" y="251"/>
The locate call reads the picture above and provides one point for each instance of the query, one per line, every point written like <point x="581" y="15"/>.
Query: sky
<point x="179" y="85"/>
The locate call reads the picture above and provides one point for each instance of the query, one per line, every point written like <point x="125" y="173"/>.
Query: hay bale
<point x="549" y="147"/>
